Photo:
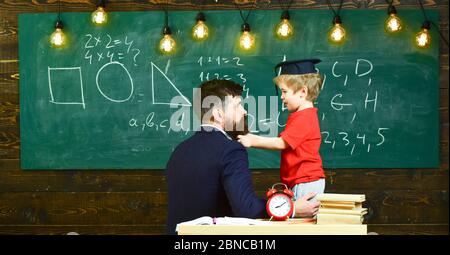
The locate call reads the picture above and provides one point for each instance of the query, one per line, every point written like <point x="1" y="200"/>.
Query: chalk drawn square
<point x="66" y="85"/>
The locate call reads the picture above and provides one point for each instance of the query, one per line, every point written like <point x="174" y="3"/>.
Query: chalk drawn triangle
<point x="160" y="88"/>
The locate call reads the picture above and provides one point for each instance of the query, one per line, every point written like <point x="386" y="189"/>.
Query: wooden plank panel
<point x="408" y="229"/>
<point x="9" y="114"/>
<point x="443" y="57"/>
<point x="402" y="206"/>
<point x="86" y="208"/>
<point x="443" y="158"/>
<point x="8" y="33"/>
<point x="73" y="208"/>
<point x="70" y="6"/>
<point x="9" y="143"/>
<point x="82" y="181"/>
<point x="8" y="24"/>
<point x="443" y="126"/>
<point x="10" y="89"/>
<point x="443" y="95"/>
<point x="407" y="207"/>
<point x="141" y="229"/>
<point x="12" y="98"/>
<point x="443" y="28"/>
<point x="9" y="69"/>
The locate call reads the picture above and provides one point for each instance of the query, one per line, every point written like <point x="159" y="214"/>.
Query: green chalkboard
<point x="104" y="101"/>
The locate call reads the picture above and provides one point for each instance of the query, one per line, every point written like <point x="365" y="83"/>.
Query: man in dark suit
<point x="208" y="174"/>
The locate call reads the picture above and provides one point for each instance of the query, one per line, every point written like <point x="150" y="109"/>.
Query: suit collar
<point x="209" y="127"/>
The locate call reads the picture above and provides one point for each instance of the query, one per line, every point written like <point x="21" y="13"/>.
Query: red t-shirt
<point x="300" y="161"/>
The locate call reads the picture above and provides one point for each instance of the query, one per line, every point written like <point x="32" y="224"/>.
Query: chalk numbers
<point x="224" y="63"/>
<point x="220" y="61"/>
<point x="354" y="141"/>
<point x="108" y="49"/>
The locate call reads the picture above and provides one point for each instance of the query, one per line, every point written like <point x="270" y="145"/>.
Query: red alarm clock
<point x="279" y="204"/>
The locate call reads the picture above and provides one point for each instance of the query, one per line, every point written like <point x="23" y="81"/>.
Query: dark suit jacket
<point x="208" y="175"/>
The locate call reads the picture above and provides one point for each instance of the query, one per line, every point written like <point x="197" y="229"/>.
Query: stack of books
<point x="340" y="208"/>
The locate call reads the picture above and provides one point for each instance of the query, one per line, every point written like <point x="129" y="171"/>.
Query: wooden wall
<point x="404" y="201"/>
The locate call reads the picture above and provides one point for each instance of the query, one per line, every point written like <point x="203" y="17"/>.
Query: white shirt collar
<point x="218" y="128"/>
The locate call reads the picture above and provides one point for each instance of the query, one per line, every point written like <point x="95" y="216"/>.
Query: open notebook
<point x="206" y="220"/>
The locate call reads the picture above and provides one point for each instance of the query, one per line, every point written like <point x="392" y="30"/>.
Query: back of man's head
<point x="218" y="89"/>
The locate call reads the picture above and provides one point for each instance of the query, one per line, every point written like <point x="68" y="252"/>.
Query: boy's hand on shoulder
<point x="246" y="140"/>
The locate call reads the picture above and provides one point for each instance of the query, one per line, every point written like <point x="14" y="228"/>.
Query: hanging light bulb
<point x="99" y="16"/>
<point x="423" y="38"/>
<point x="393" y="23"/>
<point x="284" y="29"/>
<point x="247" y="40"/>
<point x="200" y="31"/>
<point x="337" y="32"/>
<point x="167" y="45"/>
<point x="58" y="38"/>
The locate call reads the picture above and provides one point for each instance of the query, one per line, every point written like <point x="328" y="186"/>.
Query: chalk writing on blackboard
<point x="53" y="84"/>
<point x="115" y="70"/>
<point x="99" y="49"/>
<point x="156" y="91"/>
<point x="223" y="61"/>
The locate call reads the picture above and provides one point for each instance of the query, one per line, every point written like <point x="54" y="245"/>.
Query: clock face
<point x="280" y="205"/>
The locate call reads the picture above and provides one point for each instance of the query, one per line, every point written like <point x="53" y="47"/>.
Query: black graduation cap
<point x="296" y="67"/>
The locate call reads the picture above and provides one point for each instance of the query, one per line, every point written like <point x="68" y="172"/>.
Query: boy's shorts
<point x="302" y="189"/>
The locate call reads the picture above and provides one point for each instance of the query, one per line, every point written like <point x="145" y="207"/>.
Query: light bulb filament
<point x="99" y="16"/>
<point x="200" y="31"/>
<point x="337" y="33"/>
<point x="393" y="23"/>
<point x="58" y="38"/>
<point x="167" y="44"/>
<point x="423" y="39"/>
<point x="284" y="29"/>
<point x="247" y="40"/>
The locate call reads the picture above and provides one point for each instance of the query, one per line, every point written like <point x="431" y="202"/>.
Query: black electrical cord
<point x="200" y="14"/>
<point x="339" y="9"/>
<point x="59" y="10"/>
<point x="200" y="6"/>
<point x="59" y="23"/>
<point x="391" y="7"/>
<point x="166" y="29"/>
<point x="166" y="18"/>
<point x="282" y="5"/>
<point x="389" y="3"/>
<point x="423" y="10"/>
<point x="166" y="14"/>
<point x="101" y="3"/>
<point x="240" y="12"/>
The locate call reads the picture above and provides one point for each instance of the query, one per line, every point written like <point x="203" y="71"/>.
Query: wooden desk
<point x="290" y="227"/>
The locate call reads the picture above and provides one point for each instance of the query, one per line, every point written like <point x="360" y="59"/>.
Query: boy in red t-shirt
<point x="301" y="165"/>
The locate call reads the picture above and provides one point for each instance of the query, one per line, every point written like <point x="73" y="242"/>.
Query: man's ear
<point x="218" y="115"/>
